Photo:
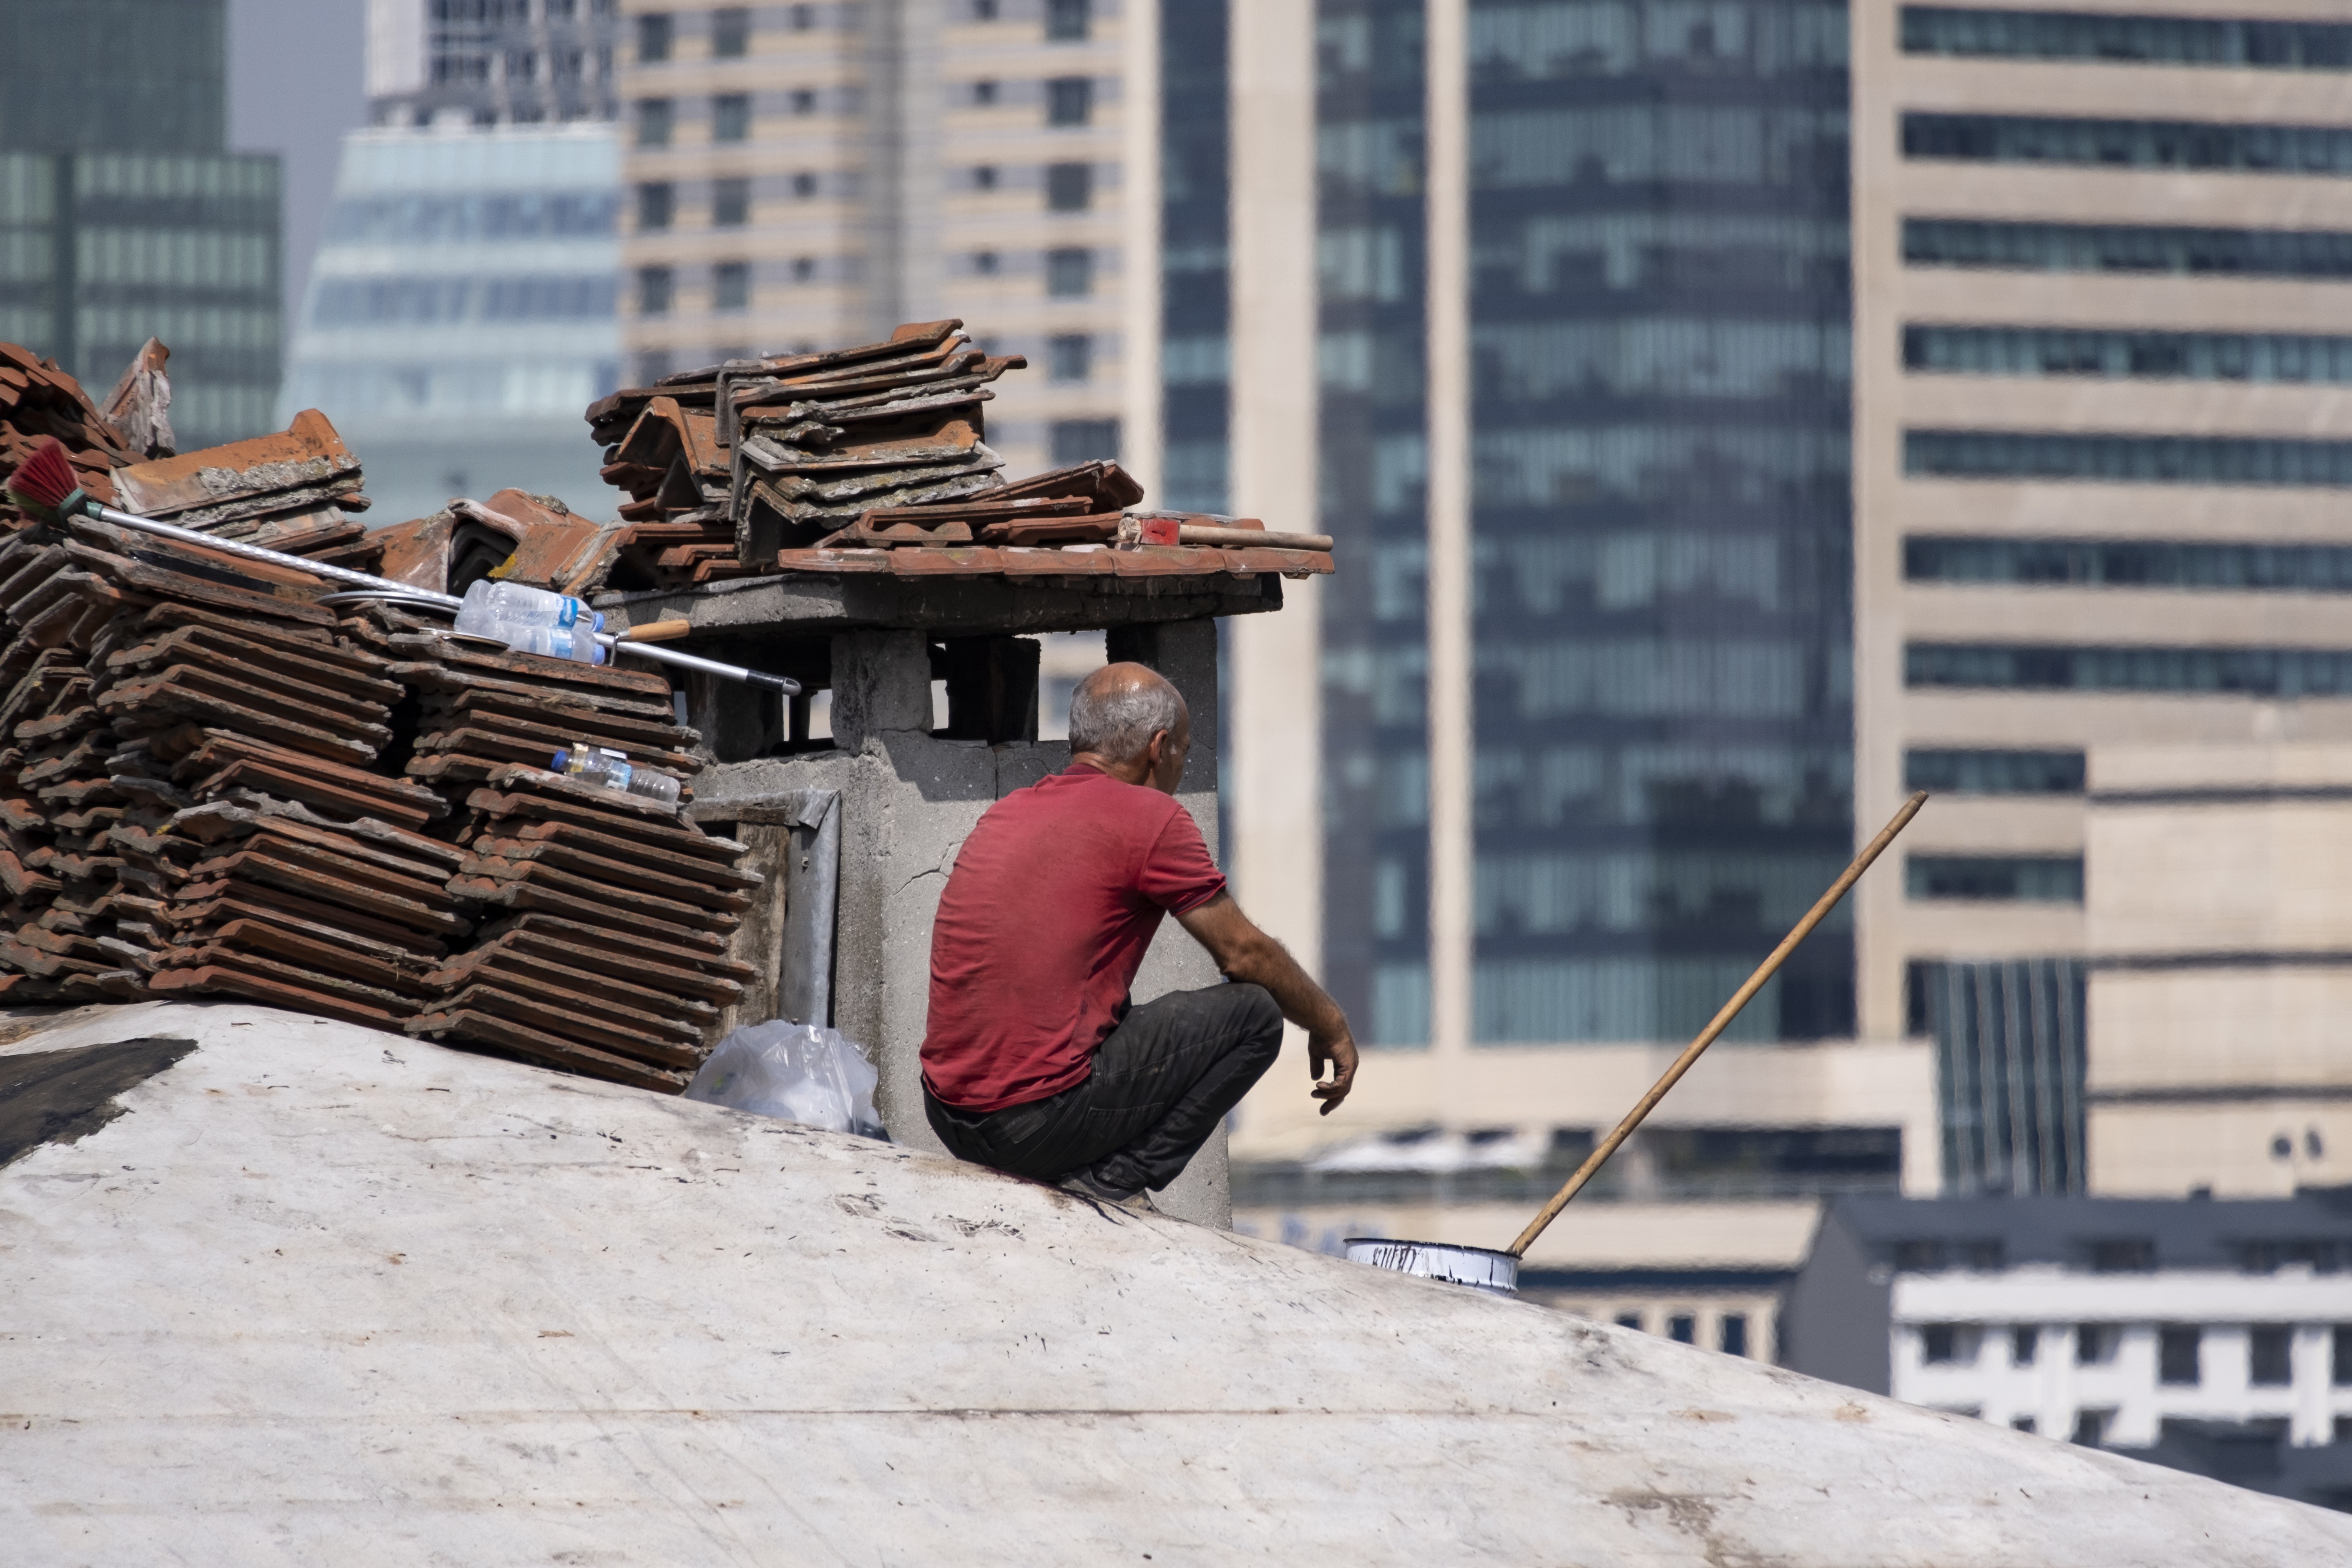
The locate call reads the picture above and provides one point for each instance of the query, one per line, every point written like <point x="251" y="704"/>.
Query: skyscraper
<point x="2104" y="267"/>
<point x="490" y="62"/>
<point x="1582" y="435"/>
<point x="802" y="174"/>
<point x="462" y="307"/>
<point x="123" y="216"/>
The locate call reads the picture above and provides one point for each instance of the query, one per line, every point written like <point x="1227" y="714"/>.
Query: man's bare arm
<point x="1247" y="954"/>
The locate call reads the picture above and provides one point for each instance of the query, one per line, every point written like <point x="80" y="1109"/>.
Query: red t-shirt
<point x="1051" y="903"/>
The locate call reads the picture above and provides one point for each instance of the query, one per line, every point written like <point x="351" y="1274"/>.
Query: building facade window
<point x="984" y="93"/>
<point x="1732" y="1333"/>
<point x="2131" y="563"/>
<point x="657" y="204"/>
<point x="1956" y="771"/>
<point x="2096" y="1343"/>
<point x="1948" y="1345"/>
<point x="730" y="117"/>
<point x="1069" y="187"/>
<point x="2128" y="143"/>
<point x="1066" y="20"/>
<point x="730" y="32"/>
<point x="2179" y="1360"/>
<point x="2025" y="1345"/>
<point x="1996" y="879"/>
<point x="1069" y="272"/>
<point x="2290" y="357"/>
<point x="731" y="201"/>
<point x="653" y="38"/>
<point x="804" y="268"/>
<point x="2270" y="1355"/>
<point x="984" y="262"/>
<point x="2126" y="459"/>
<point x="1085" y="440"/>
<point x="731" y="286"/>
<point x="1972" y="33"/>
<point x="2339" y="1363"/>
<point x="804" y="101"/>
<point x="653" y="121"/>
<point x="1070" y="356"/>
<point x="1069" y="101"/>
<point x="2126" y="247"/>
<point x="804" y="184"/>
<point x="2042" y="667"/>
<point x="657" y="290"/>
<point x="984" y="177"/>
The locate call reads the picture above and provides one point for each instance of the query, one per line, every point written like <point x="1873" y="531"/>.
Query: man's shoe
<point x="1134" y="1200"/>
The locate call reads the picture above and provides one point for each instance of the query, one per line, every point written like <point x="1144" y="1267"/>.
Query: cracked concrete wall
<point x="908" y="799"/>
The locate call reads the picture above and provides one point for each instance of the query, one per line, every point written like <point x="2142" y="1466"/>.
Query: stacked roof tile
<point x="297" y="492"/>
<point x="212" y="783"/>
<point x="833" y="462"/>
<point x="38" y="400"/>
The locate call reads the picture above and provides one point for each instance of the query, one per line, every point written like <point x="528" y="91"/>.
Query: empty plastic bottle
<point x="607" y="769"/>
<point x="577" y="644"/>
<point x="516" y="605"/>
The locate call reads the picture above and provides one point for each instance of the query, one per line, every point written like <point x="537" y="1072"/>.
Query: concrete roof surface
<point x="329" y="1296"/>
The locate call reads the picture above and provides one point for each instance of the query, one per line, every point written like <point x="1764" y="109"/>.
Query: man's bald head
<point x="1117" y="708"/>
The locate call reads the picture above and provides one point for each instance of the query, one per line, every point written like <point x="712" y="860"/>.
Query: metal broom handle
<point x="1721" y="1021"/>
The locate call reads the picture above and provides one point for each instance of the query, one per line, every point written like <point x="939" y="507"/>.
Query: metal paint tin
<point x="1496" y="1273"/>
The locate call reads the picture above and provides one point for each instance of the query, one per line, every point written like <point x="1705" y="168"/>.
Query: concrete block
<point x="881" y="682"/>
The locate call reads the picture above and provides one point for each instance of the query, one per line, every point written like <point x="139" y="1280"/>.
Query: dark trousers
<point x="1162" y="1082"/>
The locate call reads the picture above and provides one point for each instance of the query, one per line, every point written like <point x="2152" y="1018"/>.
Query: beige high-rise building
<point x="2103" y="438"/>
<point x="810" y="174"/>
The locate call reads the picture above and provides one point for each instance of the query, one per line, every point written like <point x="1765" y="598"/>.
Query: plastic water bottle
<point x="577" y="644"/>
<point x="607" y="769"/>
<point x="515" y="603"/>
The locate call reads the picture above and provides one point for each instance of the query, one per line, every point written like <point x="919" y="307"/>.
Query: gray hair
<point x="1114" y="714"/>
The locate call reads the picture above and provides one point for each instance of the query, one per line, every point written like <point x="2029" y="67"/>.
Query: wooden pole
<point x="1722" y="1021"/>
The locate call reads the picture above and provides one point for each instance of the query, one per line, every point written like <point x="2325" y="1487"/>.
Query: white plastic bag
<point x="794" y="1071"/>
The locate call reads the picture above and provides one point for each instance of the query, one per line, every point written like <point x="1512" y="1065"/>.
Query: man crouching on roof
<point x="1035" y="1061"/>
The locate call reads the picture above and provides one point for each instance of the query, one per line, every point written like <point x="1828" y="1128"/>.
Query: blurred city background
<point x="1732" y="416"/>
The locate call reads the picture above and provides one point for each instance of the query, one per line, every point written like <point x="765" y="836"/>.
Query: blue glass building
<point x="1660" y="348"/>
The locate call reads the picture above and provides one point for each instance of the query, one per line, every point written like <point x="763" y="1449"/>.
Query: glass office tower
<point x="461" y="311"/>
<point x="1195" y="266"/>
<point x="1371" y="239"/>
<point x="121" y="215"/>
<point x="1660" y="324"/>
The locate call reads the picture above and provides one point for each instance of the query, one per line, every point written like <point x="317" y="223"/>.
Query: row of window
<point x="731" y="26"/>
<point x="564" y="67"/>
<point x="1955" y="771"/>
<point x="439" y="301"/>
<point x="2126" y="459"/>
<point x="2128" y="143"/>
<point x="2126" y="247"/>
<point x="1969" y="32"/>
<point x="515" y="13"/>
<point x="1995" y="878"/>
<point x="2291" y="357"/>
<point x="2238" y="672"/>
<point x="419" y="216"/>
<point x="730" y="32"/>
<point x="2270" y="1350"/>
<point x="2131" y="563"/>
<point x="1069" y="274"/>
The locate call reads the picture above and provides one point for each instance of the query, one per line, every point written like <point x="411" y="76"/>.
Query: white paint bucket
<point x="1496" y="1273"/>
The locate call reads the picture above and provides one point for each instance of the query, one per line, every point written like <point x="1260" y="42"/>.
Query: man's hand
<point x="1339" y="1050"/>
<point x="1247" y="954"/>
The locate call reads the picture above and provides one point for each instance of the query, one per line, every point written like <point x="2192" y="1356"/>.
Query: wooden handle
<point x="1721" y="1021"/>
<point x="659" y="631"/>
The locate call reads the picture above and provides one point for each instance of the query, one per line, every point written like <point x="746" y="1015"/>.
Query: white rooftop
<point x="328" y="1296"/>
